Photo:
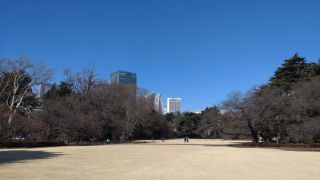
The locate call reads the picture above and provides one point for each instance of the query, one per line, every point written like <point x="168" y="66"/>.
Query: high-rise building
<point x="42" y="89"/>
<point x="173" y="105"/>
<point x="123" y="77"/>
<point x="157" y="100"/>
<point x="164" y="110"/>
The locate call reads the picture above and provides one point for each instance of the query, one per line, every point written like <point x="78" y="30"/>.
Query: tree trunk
<point x="254" y="133"/>
<point x="10" y="119"/>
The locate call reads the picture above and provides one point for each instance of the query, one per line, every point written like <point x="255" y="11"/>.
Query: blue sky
<point x="194" y="49"/>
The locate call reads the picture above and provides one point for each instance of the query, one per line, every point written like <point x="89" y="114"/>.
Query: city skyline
<point x="199" y="51"/>
<point x="126" y="77"/>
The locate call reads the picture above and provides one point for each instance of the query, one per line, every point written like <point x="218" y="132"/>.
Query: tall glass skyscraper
<point x="123" y="77"/>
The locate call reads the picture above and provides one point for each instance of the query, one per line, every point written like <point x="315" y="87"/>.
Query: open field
<point x="200" y="159"/>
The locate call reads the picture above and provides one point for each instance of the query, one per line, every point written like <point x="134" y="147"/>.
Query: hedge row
<point x="282" y="145"/>
<point x="29" y="144"/>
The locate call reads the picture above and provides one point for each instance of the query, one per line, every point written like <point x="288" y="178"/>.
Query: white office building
<point x="173" y="105"/>
<point x="158" y="102"/>
<point x="42" y="89"/>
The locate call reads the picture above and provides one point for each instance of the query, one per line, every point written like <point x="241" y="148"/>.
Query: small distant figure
<point x="108" y="141"/>
<point x="162" y="139"/>
<point x="186" y="139"/>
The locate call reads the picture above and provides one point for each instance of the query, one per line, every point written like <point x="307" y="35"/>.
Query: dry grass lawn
<point x="200" y="159"/>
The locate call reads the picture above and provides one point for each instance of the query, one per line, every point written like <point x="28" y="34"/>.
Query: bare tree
<point x="272" y="114"/>
<point x="82" y="82"/>
<point x="240" y="108"/>
<point x="17" y="79"/>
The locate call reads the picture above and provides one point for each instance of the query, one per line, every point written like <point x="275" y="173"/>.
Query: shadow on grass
<point x="13" y="156"/>
<point x="235" y="145"/>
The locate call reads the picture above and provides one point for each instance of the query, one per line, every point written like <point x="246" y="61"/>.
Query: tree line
<point x="81" y="108"/>
<point x="285" y="110"/>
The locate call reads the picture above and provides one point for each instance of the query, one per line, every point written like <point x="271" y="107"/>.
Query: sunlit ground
<point x="172" y="159"/>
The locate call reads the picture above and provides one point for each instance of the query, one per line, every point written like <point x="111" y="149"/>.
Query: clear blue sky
<point x="196" y="49"/>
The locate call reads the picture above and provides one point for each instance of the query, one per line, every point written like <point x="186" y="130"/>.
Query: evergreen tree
<point x="187" y="124"/>
<point x="292" y="71"/>
<point x="63" y="90"/>
<point x="313" y="69"/>
<point x="170" y="117"/>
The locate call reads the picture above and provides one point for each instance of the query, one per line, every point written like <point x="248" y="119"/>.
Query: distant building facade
<point x="42" y="89"/>
<point x="164" y="110"/>
<point x="102" y="82"/>
<point x="173" y="105"/>
<point x="157" y="101"/>
<point x="123" y="77"/>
